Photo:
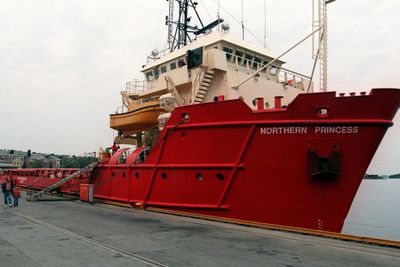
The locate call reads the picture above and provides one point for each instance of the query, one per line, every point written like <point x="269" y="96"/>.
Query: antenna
<point x="265" y="23"/>
<point x="180" y="32"/>
<point x="242" y="23"/>
<point x="218" y="17"/>
<point x="168" y="21"/>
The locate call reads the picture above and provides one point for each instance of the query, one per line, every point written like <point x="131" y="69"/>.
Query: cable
<point x="208" y="13"/>
<point x="315" y="62"/>
<point x="237" y="21"/>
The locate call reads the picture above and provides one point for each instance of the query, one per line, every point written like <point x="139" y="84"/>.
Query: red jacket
<point x="16" y="193"/>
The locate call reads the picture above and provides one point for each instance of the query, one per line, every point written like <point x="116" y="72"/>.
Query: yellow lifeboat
<point x="142" y="115"/>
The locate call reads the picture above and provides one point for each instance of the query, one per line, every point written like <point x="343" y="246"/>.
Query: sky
<point x="64" y="63"/>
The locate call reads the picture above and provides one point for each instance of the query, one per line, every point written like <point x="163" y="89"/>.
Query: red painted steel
<point x="134" y="155"/>
<point x="84" y="192"/>
<point x="260" y="103"/>
<point x="278" y="101"/>
<point x="115" y="159"/>
<point x="229" y="161"/>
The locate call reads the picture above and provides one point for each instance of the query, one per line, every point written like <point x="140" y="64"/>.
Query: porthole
<point x="185" y="116"/>
<point x="322" y="112"/>
<point x="123" y="174"/>
<point x="137" y="175"/>
<point x="220" y="176"/>
<point x="199" y="177"/>
<point x="164" y="176"/>
<point x="113" y="173"/>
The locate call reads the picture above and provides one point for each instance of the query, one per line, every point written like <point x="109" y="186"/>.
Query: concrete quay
<point x="65" y="232"/>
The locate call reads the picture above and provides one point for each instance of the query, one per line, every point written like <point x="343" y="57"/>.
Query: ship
<point x="220" y="129"/>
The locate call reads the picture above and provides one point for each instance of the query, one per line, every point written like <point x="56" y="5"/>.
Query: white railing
<point x="121" y="109"/>
<point x="136" y="87"/>
<point x="158" y="55"/>
<point x="280" y="75"/>
<point x="292" y="78"/>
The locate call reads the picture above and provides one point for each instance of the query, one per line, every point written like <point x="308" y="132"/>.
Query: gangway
<point x="37" y="195"/>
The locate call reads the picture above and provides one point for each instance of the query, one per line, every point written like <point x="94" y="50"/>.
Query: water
<point x="375" y="211"/>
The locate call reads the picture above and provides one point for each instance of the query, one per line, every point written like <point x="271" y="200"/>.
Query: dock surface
<point x="60" y="232"/>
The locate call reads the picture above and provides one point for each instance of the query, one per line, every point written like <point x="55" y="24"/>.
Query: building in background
<point x="11" y="159"/>
<point x="20" y="159"/>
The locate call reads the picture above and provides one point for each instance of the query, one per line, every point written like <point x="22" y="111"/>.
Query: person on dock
<point x="16" y="195"/>
<point x="7" y="187"/>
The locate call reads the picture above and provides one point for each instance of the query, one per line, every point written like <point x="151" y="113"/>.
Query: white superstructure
<point x="211" y="66"/>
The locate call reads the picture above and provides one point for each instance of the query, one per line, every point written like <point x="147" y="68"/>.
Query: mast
<point x="180" y="32"/>
<point x="320" y="42"/>
<point x="168" y="20"/>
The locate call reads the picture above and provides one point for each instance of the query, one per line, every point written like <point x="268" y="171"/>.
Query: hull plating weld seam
<point x="87" y="240"/>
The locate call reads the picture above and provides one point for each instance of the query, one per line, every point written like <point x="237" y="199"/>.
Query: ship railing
<point x="147" y="99"/>
<point x="136" y="87"/>
<point x="121" y="109"/>
<point x="250" y="65"/>
<point x="155" y="55"/>
<point x="292" y="78"/>
<point x="274" y="73"/>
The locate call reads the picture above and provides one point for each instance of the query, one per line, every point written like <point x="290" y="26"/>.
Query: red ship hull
<point x="298" y="166"/>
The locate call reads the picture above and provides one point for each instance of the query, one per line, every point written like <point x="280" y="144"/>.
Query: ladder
<point x="320" y="41"/>
<point x="205" y="84"/>
<point x="37" y="195"/>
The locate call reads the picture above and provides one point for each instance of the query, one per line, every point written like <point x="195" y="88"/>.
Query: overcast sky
<point x="63" y="63"/>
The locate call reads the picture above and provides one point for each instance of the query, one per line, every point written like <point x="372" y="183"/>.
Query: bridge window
<point x="264" y="63"/>
<point x="273" y="70"/>
<point x="156" y="73"/>
<point x="173" y="65"/>
<point x="247" y="58"/>
<point x="239" y="56"/>
<point x="181" y="62"/>
<point x="149" y="75"/>
<point x="257" y="63"/>
<point x="163" y="69"/>
<point x="228" y="52"/>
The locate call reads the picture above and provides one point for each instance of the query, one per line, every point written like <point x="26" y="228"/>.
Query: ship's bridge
<point x="212" y="66"/>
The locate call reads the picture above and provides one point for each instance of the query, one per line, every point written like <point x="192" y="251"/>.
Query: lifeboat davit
<point x="143" y="117"/>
